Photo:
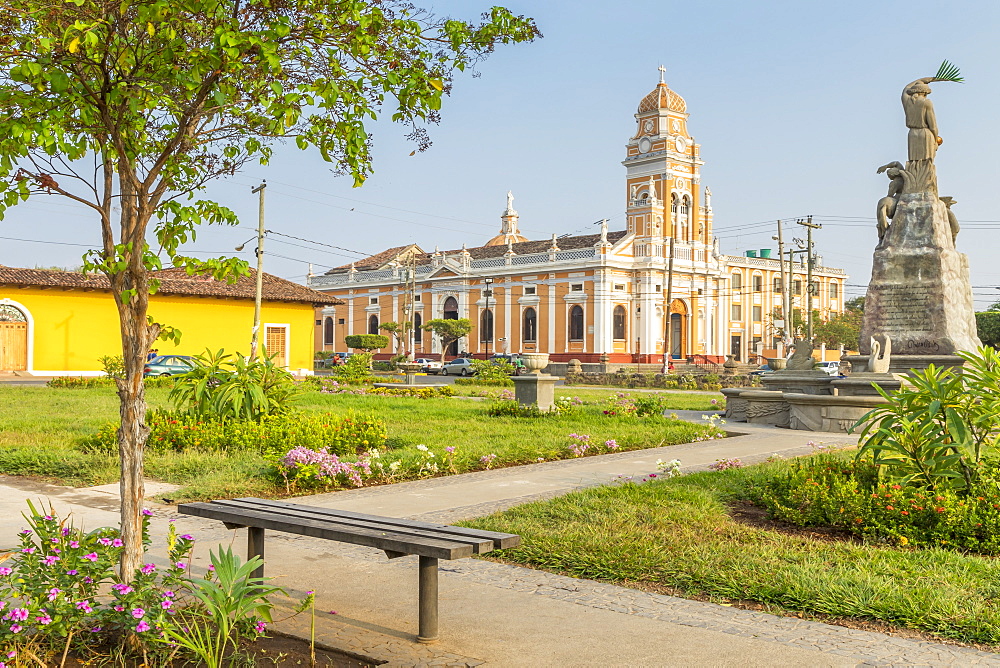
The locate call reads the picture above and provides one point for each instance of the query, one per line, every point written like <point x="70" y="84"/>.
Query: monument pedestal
<point x="535" y="389"/>
<point x="811" y="381"/>
<point x="859" y="384"/>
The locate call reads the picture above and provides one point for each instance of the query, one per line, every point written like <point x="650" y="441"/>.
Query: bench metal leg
<point x="255" y="548"/>
<point x="428" y="600"/>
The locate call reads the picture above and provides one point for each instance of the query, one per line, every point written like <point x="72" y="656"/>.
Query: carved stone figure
<point x="875" y="363"/>
<point x="922" y="140"/>
<point x="801" y="359"/>
<point x="886" y="207"/>
<point x="952" y="219"/>
<point x="510" y="201"/>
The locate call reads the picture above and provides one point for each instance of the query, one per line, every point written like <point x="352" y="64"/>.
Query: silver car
<point x="832" y="368"/>
<point x="458" y="367"/>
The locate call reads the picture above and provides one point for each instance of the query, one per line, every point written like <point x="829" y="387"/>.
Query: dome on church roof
<point x="662" y="98"/>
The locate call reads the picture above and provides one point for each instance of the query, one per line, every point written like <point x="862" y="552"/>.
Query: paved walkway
<point x="501" y="615"/>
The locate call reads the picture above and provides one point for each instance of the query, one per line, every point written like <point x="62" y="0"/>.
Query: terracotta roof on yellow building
<point x="172" y="282"/>
<point x="662" y="98"/>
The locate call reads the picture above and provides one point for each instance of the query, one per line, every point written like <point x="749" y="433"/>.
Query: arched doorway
<point x="678" y="329"/>
<point x="13" y="339"/>
<point x="450" y="312"/>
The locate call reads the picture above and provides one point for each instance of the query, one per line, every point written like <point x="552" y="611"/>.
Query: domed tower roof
<point x="508" y="230"/>
<point x="662" y="98"/>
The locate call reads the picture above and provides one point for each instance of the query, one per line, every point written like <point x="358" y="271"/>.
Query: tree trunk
<point x="137" y="337"/>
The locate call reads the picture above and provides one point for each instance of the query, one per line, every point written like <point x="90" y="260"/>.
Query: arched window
<point x="373" y="324"/>
<point x="685" y="208"/>
<point x="758" y="283"/>
<point x="673" y="204"/>
<point x="777" y="285"/>
<point x="450" y="309"/>
<point x="834" y="290"/>
<point x="619" y="323"/>
<point x="576" y="324"/>
<point x="737" y="282"/>
<point x="418" y="334"/>
<point x="328" y="332"/>
<point x="486" y="326"/>
<point x="529" y="326"/>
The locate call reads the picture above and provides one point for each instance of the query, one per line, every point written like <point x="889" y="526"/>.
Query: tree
<point x="400" y="332"/>
<point x="448" y="331"/>
<point x="366" y="342"/>
<point x="988" y="327"/>
<point x="843" y="328"/>
<point x="130" y="107"/>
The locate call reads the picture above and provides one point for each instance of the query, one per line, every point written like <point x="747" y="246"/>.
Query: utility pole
<point x="810" y="261"/>
<point x="255" y="337"/>
<point x="785" y="315"/>
<point x="668" y="345"/>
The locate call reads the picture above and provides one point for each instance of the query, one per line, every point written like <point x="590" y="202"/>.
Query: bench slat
<point x="500" y="540"/>
<point x="383" y="540"/>
<point x="294" y="513"/>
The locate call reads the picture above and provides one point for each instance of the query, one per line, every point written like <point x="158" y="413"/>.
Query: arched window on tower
<point x="576" y="323"/>
<point x="618" y="323"/>
<point x="529" y="326"/>
<point x="685" y="217"/>
<point x="328" y="332"/>
<point x="418" y="334"/>
<point x="373" y="324"/>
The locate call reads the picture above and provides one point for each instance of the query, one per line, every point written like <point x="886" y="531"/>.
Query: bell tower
<point x="662" y="166"/>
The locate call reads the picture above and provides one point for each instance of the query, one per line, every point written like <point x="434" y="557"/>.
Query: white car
<point x="428" y="365"/>
<point x="832" y="368"/>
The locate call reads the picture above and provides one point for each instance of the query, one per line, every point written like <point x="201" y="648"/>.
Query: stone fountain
<point x="918" y="308"/>
<point x="410" y="370"/>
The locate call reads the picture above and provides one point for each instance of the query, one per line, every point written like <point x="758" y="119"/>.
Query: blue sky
<point x="795" y="104"/>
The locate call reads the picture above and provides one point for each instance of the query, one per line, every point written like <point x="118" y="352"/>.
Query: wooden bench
<point x="396" y="537"/>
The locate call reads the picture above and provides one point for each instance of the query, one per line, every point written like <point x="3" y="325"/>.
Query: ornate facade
<point x="592" y="295"/>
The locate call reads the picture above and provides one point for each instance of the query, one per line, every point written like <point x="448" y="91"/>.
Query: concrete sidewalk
<point x="502" y="615"/>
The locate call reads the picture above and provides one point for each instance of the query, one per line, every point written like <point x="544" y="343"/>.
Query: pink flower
<point x="104" y="541"/>
<point x="6" y="571"/>
<point x="28" y="550"/>
<point x="85" y="606"/>
<point x="180" y="565"/>
<point x="138" y="613"/>
<point x="122" y="588"/>
<point x="49" y="560"/>
<point x="119" y="608"/>
<point x="147" y="512"/>
<point x="44" y="619"/>
<point x="142" y="626"/>
<point x="15" y="628"/>
<point x="148" y="568"/>
<point x="72" y="571"/>
<point x="259" y="627"/>
<point x="117" y="542"/>
<point x="450" y="449"/>
<point x="54" y="594"/>
<point x="74" y="544"/>
<point x="166" y="604"/>
<point x="187" y="536"/>
<point x="19" y="615"/>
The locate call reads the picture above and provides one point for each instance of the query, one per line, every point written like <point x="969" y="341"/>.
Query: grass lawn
<point x="677" y="536"/>
<point x="676" y="399"/>
<point x="40" y="429"/>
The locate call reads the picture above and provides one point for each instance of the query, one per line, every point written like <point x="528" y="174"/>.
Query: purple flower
<point x="43" y="619"/>
<point x="138" y="613"/>
<point x="169" y="594"/>
<point x="85" y="606"/>
<point x="259" y="627"/>
<point x="49" y="560"/>
<point x="19" y="614"/>
<point x="96" y="629"/>
<point x="88" y="580"/>
<point x="122" y="588"/>
<point x="180" y="565"/>
<point x="187" y="536"/>
<point x="148" y="568"/>
<point x="142" y="626"/>
<point x="54" y="594"/>
<point x="65" y="531"/>
<point x="90" y="557"/>
<point x="74" y="544"/>
<point x="166" y="604"/>
<point x="26" y="532"/>
<point x="72" y="571"/>
<point x="28" y="550"/>
<point x="6" y="571"/>
<point x="450" y="449"/>
<point x="147" y="512"/>
<point x="117" y="542"/>
<point x="15" y="628"/>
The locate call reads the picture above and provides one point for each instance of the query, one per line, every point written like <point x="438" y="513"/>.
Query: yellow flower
<point x="903" y="540"/>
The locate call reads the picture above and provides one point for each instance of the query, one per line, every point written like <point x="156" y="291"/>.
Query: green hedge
<point x="485" y="382"/>
<point x="274" y="434"/>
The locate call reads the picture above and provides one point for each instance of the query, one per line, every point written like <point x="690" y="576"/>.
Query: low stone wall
<point x="662" y="381"/>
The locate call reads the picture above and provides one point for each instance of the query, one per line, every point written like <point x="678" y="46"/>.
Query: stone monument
<point x="535" y="388"/>
<point x="919" y="295"/>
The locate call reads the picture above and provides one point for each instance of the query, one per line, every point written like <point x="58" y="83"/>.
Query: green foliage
<point x="485" y="382"/>
<point x="87" y="382"/>
<point x="517" y="410"/>
<point x="366" y="342"/>
<point x="448" y="331"/>
<point x="400" y="332"/>
<point x="356" y="370"/>
<point x="420" y="392"/>
<point x="842" y="329"/>
<point x="948" y="72"/>
<point x="831" y="491"/>
<point x="631" y="405"/>
<point x="492" y="370"/>
<point x="229" y="385"/>
<point x="184" y="432"/>
<point x="113" y="366"/>
<point x="227" y="600"/>
<point x="938" y="427"/>
<point x="988" y="326"/>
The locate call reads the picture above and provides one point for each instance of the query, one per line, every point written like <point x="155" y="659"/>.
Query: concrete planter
<point x="535" y="362"/>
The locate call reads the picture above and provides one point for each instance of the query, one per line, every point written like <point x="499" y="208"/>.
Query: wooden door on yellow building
<point x="276" y="341"/>
<point x="13" y="345"/>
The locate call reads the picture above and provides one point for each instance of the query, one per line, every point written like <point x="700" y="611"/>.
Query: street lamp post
<point x="487" y="293"/>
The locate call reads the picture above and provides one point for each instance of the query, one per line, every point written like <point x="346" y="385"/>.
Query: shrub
<point x="366" y="342"/>
<point x="113" y="365"/>
<point x="85" y="383"/>
<point x="829" y="490"/>
<point x="306" y="469"/>
<point x="622" y="404"/>
<point x="229" y="386"/>
<point x="357" y="370"/>
<point x="493" y="370"/>
<point x="178" y="432"/>
<point x="485" y="382"/>
<point x="514" y="409"/>
<point x="420" y="392"/>
<point x="937" y="428"/>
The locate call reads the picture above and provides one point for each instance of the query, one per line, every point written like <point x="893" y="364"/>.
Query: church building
<point x="613" y="295"/>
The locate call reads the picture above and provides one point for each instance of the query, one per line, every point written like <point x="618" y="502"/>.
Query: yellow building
<point x="613" y="294"/>
<point x="55" y="323"/>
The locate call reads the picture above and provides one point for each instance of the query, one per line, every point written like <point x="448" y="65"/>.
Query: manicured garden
<point x="67" y="435"/>
<point x="901" y="532"/>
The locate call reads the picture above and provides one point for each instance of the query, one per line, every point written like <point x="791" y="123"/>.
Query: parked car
<point x="168" y="365"/>
<point x="458" y="367"/>
<point x="514" y="359"/>
<point x="428" y="365"/>
<point x="832" y="368"/>
<point x="762" y="370"/>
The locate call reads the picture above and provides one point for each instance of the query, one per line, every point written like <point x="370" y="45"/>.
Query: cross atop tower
<point x="663" y="71"/>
